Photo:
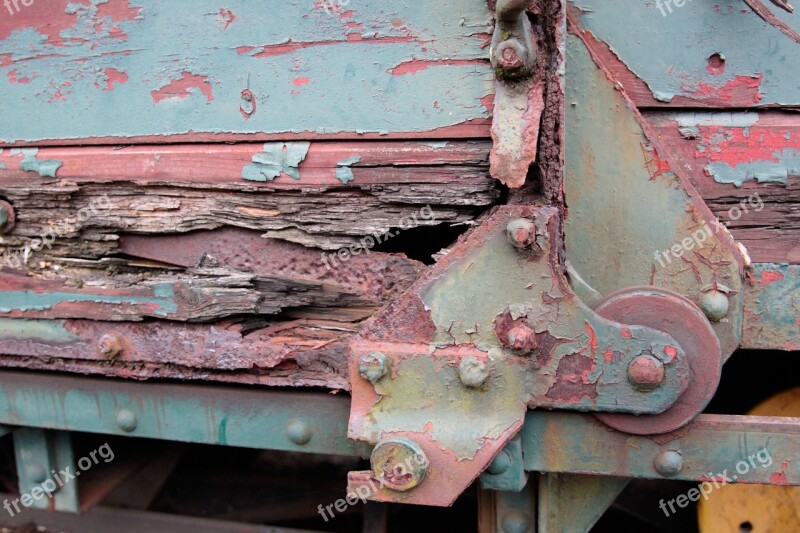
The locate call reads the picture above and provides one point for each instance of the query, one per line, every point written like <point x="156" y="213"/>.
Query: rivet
<point x="515" y="521"/>
<point x="521" y="233"/>
<point x="299" y="432"/>
<point x="374" y="366"/>
<point x="7" y="217"/>
<point x="715" y="305"/>
<point x="646" y="372"/>
<point x="669" y="463"/>
<point x="126" y="420"/>
<point x="472" y="371"/>
<point x="109" y="345"/>
<point x="399" y="463"/>
<point x="522" y="338"/>
<point x="500" y="464"/>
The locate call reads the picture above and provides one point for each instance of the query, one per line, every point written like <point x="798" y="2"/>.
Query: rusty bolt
<point x="669" y="463"/>
<point x="511" y="55"/>
<point x="521" y="233"/>
<point x="473" y="372"/>
<point x="374" y="366"/>
<point x="109" y="345"/>
<point x="521" y="337"/>
<point x="715" y="305"/>
<point x="646" y="372"/>
<point x="399" y="463"/>
<point x="7" y="217"/>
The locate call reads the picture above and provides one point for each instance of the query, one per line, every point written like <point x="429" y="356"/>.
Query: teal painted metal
<point x="713" y="448"/>
<point x="772" y="307"/>
<point x="161" y="305"/>
<point x="45" y="468"/>
<point x="201" y="414"/>
<point x="249" y="69"/>
<point x="508" y="512"/>
<point x="682" y="40"/>
<point x="506" y="472"/>
<point x="567" y="502"/>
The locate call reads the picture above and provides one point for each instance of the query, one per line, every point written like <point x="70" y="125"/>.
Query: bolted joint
<point x="521" y="233"/>
<point x="646" y="373"/>
<point x="374" y="366"/>
<point x="473" y="372"/>
<point x="511" y="55"/>
<point x="7" y="217"/>
<point x="399" y="463"/>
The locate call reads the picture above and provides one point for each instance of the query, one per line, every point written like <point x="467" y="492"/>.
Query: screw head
<point x="646" y="372"/>
<point x="400" y="463"/>
<point x="521" y="233"/>
<point x="109" y="345"/>
<point x="522" y="338"/>
<point x="511" y="55"/>
<point x="500" y="464"/>
<point x="374" y="366"/>
<point x="715" y="305"/>
<point x="515" y="521"/>
<point x="669" y="463"/>
<point x="7" y="217"/>
<point x="126" y="420"/>
<point x="473" y="372"/>
<point x="299" y="432"/>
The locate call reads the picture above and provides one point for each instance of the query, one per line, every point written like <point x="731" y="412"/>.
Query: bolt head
<point x="299" y="432"/>
<point x="522" y="338"/>
<point x="646" y="372"/>
<point x="515" y="521"/>
<point x="669" y="463"/>
<point x="500" y="464"/>
<point x="109" y="345"/>
<point x="374" y="366"/>
<point x="715" y="305"/>
<point x="521" y="233"/>
<point x="126" y="420"/>
<point x="511" y="55"/>
<point x="473" y="372"/>
<point x="400" y="463"/>
<point x="7" y="217"/>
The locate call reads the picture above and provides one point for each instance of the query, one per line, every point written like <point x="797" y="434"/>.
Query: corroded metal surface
<point x="772" y="308"/>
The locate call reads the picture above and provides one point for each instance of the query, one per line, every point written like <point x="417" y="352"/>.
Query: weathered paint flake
<point x="46" y="168"/>
<point x="343" y="171"/>
<point x="277" y="159"/>
<point x="772" y="307"/>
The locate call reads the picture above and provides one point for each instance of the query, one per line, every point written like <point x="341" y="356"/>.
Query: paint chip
<point x="276" y="159"/>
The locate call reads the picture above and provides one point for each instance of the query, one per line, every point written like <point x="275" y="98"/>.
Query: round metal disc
<point x="675" y="315"/>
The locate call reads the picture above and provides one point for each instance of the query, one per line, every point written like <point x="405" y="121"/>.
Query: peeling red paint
<point x="272" y="50"/>
<point x="414" y="66"/>
<point x="114" y="76"/>
<point x="608" y="356"/>
<point x="592" y="339"/>
<point x="768" y="277"/>
<point x="778" y="478"/>
<point x="180" y="88"/>
<point x="741" y="90"/>
<point x="118" y="11"/>
<point x="671" y="352"/>
<point x="12" y="77"/>
<point x="227" y="17"/>
<point x="299" y="82"/>
<point x="744" y="145"/>
<point x="716" y="64"/>
<point x="626" y="332"/>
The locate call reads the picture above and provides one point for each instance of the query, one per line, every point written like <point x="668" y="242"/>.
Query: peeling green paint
<point x="343" y="171"/>
<point x="34" y="301"/>
<point x="761" y="171"/>
<point x="44" y="167"/>
<point x="277" y="159"/>
<point x="46" y="331"/>
<point x="772" y="307"/>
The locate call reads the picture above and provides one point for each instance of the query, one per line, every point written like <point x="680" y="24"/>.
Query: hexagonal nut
<point x="522" y="338"/>
<point x="399" y="463"/>
<point x="473" y="372"/>
<point x="510" y="55"/>
<point x="374" y="366"/>
<point x="521" y="233"/>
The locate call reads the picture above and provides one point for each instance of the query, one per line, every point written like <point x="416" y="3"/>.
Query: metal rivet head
<point x="109" y="345"/>
<point x="646" y="372"/>
<point x="7" y="217"/>
<point x="399" y="463"/>
<point x="299" y="432"/>
<point x="521" y="233"/>
<point x="374" y="366"/>
<point x="472" y="371"/>
<point x="669" y="463"/>
<point x="500" y="464"/>
<point x="36" y="472"/>
<point x="715" y="305"/>
<point x="126" y="420"/>
<point x="522" y="338"/>
<point x="515" y="521"/>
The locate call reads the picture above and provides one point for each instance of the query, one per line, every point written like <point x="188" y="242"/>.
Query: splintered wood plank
<point x="746" y="165"/>
<point x="200" y="71"/>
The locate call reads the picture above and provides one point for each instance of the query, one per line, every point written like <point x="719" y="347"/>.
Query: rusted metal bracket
<point x="441" y="379"/>
<point x="519" y="94"/>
